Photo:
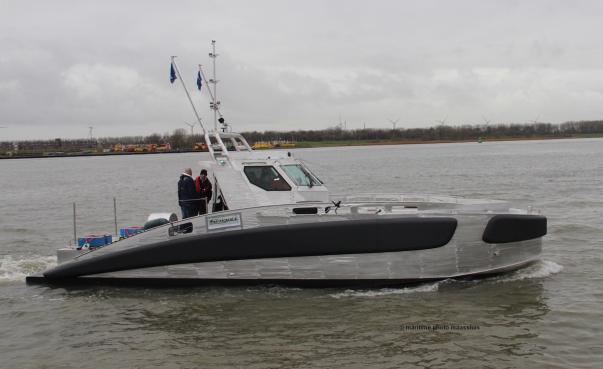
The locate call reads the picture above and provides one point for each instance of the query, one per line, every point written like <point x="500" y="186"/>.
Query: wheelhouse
<point x="243" y="177"/>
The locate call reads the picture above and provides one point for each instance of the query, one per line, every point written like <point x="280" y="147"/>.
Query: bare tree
<point x="178" y="139"/>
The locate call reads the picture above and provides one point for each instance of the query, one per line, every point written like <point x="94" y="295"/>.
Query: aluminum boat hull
<point x="314" y="250"/>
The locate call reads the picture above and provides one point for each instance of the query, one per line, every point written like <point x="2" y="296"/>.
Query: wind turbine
<point x="90" y="131"/>
<point x="343" y="124"/>
<point x="483" y="128"/>
<point x="443" y="121"/>
<point x="535" y="121"/>
<point x="394" y="122"/>
<point x="191" y="125"/>
<point x="487" y="121"/>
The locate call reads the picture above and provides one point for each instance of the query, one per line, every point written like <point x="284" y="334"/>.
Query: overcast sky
<point x="67" y="65"/>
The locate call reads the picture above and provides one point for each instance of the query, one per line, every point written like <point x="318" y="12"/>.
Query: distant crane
<point x="394" y="122"/>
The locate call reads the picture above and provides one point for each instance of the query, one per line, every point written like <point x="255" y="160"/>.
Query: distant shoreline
<point x="312" y="144"/>
<point x="79" y="154"/>
<point x="316" y="144"/>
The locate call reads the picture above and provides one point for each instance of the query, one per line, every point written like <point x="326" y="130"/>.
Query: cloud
<point x="98" y="82"/>
<point x="293" y="65"/>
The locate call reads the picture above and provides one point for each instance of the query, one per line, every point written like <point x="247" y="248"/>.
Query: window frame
<point x="280" y="177"/>
<point x="313" y="178"/>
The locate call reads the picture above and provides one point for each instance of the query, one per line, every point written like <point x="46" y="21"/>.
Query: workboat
<point x="273" y="221"/>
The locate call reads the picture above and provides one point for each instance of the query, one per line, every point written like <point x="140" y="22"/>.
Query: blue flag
<point x="199" y="80"/>
<point x="172" y="73"/>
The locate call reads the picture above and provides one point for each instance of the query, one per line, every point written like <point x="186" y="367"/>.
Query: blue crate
<point x="130" y="231"/>
<point x="93" y="241"/>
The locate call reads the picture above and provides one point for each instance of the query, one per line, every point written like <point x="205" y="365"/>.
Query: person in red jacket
<point x="204" y="191"/>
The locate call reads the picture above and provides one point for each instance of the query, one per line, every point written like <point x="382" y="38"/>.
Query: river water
<point x="547" y="315"/>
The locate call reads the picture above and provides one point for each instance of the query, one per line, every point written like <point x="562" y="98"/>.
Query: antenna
<point x="394" y="122"/>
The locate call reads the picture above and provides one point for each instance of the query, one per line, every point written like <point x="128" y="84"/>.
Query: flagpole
<point x="187" y="94"/>
<point x="205" y="134"/>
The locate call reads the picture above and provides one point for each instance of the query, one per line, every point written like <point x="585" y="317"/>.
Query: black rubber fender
<point x="505" y="228"/>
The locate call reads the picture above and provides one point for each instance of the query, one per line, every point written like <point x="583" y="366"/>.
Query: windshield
<point x="266" y="177"/>
<point x="300" y="175"/>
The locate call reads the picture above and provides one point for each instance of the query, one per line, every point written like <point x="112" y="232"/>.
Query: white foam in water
<point x="540" y="269"/>
<point x="428" y="287"/>
<point x="16" y="269"/>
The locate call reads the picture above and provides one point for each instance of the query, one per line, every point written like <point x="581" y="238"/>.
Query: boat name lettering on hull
<point x="224" y="221"/>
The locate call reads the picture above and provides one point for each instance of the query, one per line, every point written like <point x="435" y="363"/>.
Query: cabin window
<point x="300" y="175"/>
<point x="266" y="178"/>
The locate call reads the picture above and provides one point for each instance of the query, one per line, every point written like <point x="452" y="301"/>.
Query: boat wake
<point x="422" y="288"/>
<point x="540" y="269"/>
<point x="17" y="268"/>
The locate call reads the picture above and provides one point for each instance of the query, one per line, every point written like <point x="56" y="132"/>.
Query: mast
<point x="215" y="104"/>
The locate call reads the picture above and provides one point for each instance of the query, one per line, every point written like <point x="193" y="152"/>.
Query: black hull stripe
<point x="308" y="239"/>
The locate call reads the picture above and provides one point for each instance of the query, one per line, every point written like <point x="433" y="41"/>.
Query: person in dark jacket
<point x="187" y="193"/>
<point x="204" y="191"/>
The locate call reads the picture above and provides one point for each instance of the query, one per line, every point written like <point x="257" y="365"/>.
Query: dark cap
<point x="203" y="171"/>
